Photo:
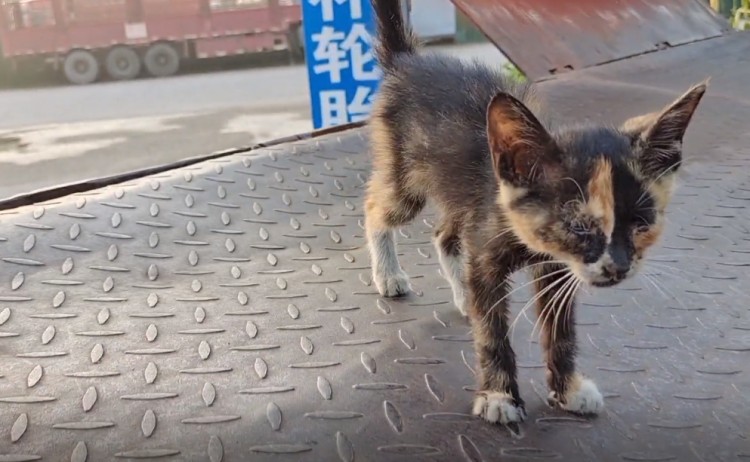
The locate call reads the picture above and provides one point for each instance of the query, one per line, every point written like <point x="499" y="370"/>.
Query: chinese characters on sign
<point x="342" y="70"/>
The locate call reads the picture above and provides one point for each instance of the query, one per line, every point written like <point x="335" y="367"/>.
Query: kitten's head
<point x="593" y="197"/>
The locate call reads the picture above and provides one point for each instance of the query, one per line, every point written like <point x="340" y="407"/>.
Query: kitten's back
<point x="430" y="117"/>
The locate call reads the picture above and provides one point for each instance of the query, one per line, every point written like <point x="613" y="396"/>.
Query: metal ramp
<point x="224" y="311"/>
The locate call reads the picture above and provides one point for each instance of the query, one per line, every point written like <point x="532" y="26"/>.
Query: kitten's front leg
<point x="498" y="399"/>
<point x="555" y="306"/>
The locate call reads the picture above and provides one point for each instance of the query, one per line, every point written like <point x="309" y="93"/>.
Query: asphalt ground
<point x="53" y="134"/>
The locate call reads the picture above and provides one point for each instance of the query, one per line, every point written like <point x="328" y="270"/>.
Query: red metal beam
<point x="546" y="37"/>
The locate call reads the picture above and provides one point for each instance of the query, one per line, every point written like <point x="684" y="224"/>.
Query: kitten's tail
<point x="394" y="37"/>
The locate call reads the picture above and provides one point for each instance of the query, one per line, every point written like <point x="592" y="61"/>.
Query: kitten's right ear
<point x="523" y="152"/>
<point x="660" y="134"/>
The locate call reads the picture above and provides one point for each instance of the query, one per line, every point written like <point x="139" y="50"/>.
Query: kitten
<point x="578" y="205"/>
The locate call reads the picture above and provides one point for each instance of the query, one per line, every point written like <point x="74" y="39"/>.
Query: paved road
<point x="50" y="136"/>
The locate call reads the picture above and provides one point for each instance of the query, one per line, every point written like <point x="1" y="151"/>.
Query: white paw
<point x="392" y="285"/>
<point x="459" y="299"/>
<point x="494" y="406"/>
<point x="582" y="397"/>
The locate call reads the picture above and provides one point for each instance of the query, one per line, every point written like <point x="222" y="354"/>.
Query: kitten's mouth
<point x="596" y="277"/>
<point x="606" y="283"/>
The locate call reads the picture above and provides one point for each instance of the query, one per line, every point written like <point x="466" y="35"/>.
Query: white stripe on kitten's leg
<point x="389" y="278"/>
<point x="453" y="271"/>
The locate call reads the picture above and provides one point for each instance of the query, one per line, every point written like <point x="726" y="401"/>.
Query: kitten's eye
<point x="640" y="226"/>
<point x="579" y="229"/>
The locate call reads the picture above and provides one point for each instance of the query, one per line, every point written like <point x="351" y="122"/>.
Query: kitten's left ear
<point x="523" y="152"/>
<point x="661" y="134"/>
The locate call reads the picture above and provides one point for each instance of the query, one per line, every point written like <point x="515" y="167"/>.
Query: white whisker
<point x="648" y="278"/>
<point x="568" y="312"/>
<point x="538" y="295"/>
<point x="550" y="307"/>
<point x="499" y="235"/>
<point x="669" y="295"/>
<point x="546" y="262"/>
<point x="484" y="318"/>
<point x="563" y="306"/>
<point x="672" y="268"/>
<point x="666" y="171"/>
<point x="580" y="190"/>
<point x="667" y="274"/>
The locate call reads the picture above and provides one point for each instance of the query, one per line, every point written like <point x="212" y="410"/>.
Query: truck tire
<point x="161" y="60"/>
<point x="122" y="63"/>
<point x="81" y="67"/>
<point x="296" y="41"/>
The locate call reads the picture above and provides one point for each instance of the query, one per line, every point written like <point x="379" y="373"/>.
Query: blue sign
<point x="341" y="67"/>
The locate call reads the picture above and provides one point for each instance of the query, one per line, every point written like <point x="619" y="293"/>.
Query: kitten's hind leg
<point x="389" y="278"/>
<point x="568" y="389"/>
<point x="448" y="247"/>
<point x="385" y="209"/>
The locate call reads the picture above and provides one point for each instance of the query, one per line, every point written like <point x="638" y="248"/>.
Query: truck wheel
<point x="161" y="60"/>
<point x="123" y="63"/>
<point x="296" y="41"/>
<point x="81" y="67"/>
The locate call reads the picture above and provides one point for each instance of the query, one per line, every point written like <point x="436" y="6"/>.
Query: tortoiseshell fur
<point x="575" y="205"/>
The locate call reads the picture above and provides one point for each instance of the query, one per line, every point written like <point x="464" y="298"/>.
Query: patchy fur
<point x="581" y="204"/>
<point x="601" y="203"/>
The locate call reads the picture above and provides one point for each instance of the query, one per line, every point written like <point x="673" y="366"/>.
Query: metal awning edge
<point x="552" y="38"/>
<point x="55" y="192"/>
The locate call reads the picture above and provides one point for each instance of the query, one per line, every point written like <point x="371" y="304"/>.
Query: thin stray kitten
<point x="576" y="205"/>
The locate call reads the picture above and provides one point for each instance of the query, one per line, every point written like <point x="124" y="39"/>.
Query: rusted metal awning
<point x="545" y="37"/>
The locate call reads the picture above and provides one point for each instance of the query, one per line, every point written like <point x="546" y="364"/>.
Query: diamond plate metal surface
<point x="225" y="312"/>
